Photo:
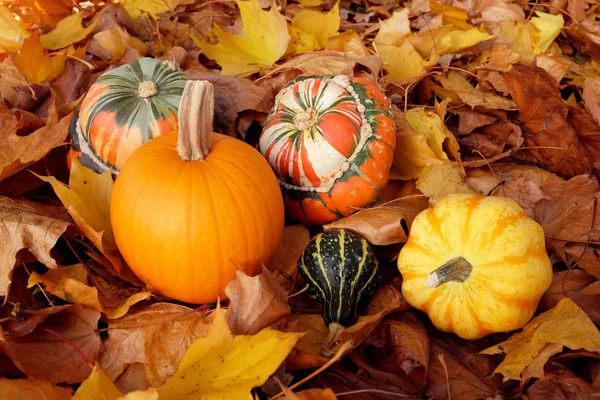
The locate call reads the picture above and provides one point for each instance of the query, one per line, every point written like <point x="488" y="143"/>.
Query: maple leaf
<point x="41" y="354"/>
<point x="71" y="284"/>
<point x="384" y="224"/>
<point x="87" y="199"/>
<point x="37" y="67"/>
<point x="221" y="364"/>
<point x="263" y="41"/>
<point x="402" y="62"/>
<point x="27" y="225"/>
<point x="68" y="31"/>
<point x="439" y="180"/>
<point x="138" y="8"/>
<point x="32" y="389"/>
<point x="255" y="303"/>
<point x="579" y="286"/>
<point x="156" y="336"/>
<point x="318" y="25"/>
<point x="393" y="30"/>
<point x="564" y="325"/>
<point x="591" y="98"/>
<point x="471" y="95"/>
<point x="12" y="32"/>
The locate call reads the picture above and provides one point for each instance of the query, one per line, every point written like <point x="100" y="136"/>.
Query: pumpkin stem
<point x="196" y="112"/>
<point x="458" y="270"/>
<point x="334" y="332"/>
<point x="147" y="89"/>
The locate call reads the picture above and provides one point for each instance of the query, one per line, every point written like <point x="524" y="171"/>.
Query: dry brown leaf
<point x="18" y="152"/>
<point x="397" y="352"/>
<point x="470" y="120"/>
<point x="385" y="300"/>
<point x="310" y="394"/>
<point x="525" y="192"/>
<point x="156" y="336"/>
<point x="233" y="95"/>
<point x="27" y="225"/>
<point x="255" y="303"/>
<point x="384" y="224"/>
<point x="493" y="139"/>
<point x="555" y="140"/>
<point x="560" y="381"/>
<point x="457" y="372"/>
<point x="565" y="324"/>
<point x="33" y="389"/>
<point x="573" y="284"/>
<point x="474" y="97"/>
<point x="71" y="284"/>
<point x="284" y="264"/>
<point x="41" y="354"/>
<point x="591" y="98"/>
<point x="319" y="63"/>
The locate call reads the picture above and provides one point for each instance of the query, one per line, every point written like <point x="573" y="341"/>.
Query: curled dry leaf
<point x="33" y="389"/>
<point x="27" y="225"/>
<point x="43" y="355"/>
<point x="156" y="336"/>
<point x="222" y="365"/>
<point x="18" y="152"/>
<point x="307" y="352"/>
<point x="284" y="264"/>
<point x="71" y="284"/>
<point x="232" y="96"/>
<point x="560" y="381"/>
<point x="385" y="224"/>
<point x="255" y="303"/>
<point x="564" y="325"/>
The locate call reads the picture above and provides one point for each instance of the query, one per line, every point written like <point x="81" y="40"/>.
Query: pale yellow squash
<point x="476" y="265"/>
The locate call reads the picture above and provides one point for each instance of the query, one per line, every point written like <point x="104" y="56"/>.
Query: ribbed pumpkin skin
<point x="511" y="269"/>
<point x="183" y="225"/>
<point x="341" y="161"/>
<point x="341" y="269"/>
<point x="114" y="120"/>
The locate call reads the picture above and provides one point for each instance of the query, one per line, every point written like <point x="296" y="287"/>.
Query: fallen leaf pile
<point x="489" y="97"/>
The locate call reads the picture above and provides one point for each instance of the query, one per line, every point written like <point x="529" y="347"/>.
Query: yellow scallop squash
<point x="476" y="265"/>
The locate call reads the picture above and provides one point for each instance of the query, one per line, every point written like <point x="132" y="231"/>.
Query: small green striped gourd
<point x="341" y="270"/>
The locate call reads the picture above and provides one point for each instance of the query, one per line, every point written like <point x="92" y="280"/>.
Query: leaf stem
<point x="73" y="345"/>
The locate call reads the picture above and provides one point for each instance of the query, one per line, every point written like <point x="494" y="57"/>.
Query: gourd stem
<point x="457" y="270"/>
<point x="196" y="113"/>
<point x="147" y="89"/>
<point x="334" y="332"/>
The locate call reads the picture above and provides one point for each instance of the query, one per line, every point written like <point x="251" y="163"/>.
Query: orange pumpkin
<point x="189" y="209"/>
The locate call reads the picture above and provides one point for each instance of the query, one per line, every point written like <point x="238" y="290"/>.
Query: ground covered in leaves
<point x="496" y="97"/>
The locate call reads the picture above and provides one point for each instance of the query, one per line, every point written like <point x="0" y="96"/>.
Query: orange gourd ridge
<point x="476" y="265"/>
<point x="330" y="141"/>
<point x="123" y="109"/>
<point x="191" y="207"/>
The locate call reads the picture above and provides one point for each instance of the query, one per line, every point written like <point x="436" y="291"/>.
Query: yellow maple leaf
<point x="221" y="365"/>
<point x="138" y="8"/>
<point x="447" y="39"/>
<point x="450" y="14"/>
<point x="393" y="30"/>
<point x="97" y="386"/>
<point x="549" y="26"/>
<point x="87" y="199"/>
<point x="35" y="65"/>
<point x="318" y="25"/>
<point x="527" y="351"/>
<point x="68" y="31"/>
<point x="437" y="181"/>
<point x="263" y="41"/>
<point x="402" y="62"/>
<point x="301" y="42"/>
<point x="12" y="32"/>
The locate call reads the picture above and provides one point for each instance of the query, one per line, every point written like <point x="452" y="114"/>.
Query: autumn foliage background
<point x="491" y="97"/>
